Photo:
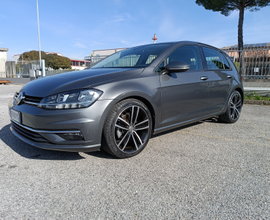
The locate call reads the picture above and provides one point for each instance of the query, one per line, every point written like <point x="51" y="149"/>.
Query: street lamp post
<point x="39" y="40"/>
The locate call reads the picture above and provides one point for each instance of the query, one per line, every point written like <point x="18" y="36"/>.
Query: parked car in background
<point x="121" y="101"/>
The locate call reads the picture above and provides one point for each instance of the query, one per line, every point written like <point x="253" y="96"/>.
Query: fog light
<point x="72" y="136"/>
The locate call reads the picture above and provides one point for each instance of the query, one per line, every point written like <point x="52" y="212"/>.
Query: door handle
<point x="229" y="76"/>
<point x="204" y="78"/>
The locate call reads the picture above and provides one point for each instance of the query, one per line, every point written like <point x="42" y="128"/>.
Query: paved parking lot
<point x="207" y="170"/>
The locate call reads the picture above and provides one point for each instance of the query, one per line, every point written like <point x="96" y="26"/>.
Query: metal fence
<point x="54" y="72"/>
<point x="25" y="69"/>
<point x="95" y="59"/>
<point x="253" y="62"/>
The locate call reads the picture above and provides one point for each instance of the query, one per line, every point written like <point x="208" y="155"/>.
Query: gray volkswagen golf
<point x="121" y="101"/>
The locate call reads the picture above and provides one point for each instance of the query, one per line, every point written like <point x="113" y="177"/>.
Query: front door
<point x="184" y="95"/>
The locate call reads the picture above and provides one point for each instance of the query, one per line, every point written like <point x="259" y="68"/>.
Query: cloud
<point x="218" y="39"/>
<point x="95" y="43"/>
<point x="78" y="56"/>
<point x="117" y="2"/>
<point x="170" y="29"/>
<point x="61" y="28"/>
<point x="79" y="45"/>
<point x="234" y="15"/>
<point x="120" y="18"/>
<point x="124" y="42"/>
<point x="258" y="33"/>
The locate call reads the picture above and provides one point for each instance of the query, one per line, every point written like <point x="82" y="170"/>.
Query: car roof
<point x="175" y="43"/>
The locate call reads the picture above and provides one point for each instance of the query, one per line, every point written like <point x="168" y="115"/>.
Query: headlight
<point x="71" y="100"/>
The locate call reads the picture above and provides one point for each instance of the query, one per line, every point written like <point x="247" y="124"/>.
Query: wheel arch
<point x="149" y="106"/>
<point x="241" y="92"/>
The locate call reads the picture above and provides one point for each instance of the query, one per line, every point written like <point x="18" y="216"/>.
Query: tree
<point x="32" y="55"/>
<point x="51" y="60"/>
<point x="227" y="6"/>
<point x="56" y="62"/>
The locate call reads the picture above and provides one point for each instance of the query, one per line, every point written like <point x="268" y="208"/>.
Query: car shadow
<point x="212" y="120"/>
<point x="101" y="154"/>
<point x="27" y="151"/>
<point x="30" y="152"/>
<point x="209" y="120"/>
<point x="176" y="129"/>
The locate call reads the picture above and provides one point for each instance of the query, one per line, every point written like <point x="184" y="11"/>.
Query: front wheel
<point x="234" y="108"/>
<point x="127" y="129"/>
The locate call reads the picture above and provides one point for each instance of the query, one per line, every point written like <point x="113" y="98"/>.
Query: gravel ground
<point x="207" y="170"/>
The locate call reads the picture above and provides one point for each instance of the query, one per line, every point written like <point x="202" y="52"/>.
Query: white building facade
<point x="3" y="60"/>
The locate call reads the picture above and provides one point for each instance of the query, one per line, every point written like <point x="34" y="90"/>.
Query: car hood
<point x="76" y="80"/>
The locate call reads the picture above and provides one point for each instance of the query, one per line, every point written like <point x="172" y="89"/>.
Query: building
<point x="106" y="52"/>
<point x="3" y="60"/>
<point x="254" y="59"/>
<point x="98" y="55"/>
<point x="249" y="50"/>
<point x="77" y="64"/>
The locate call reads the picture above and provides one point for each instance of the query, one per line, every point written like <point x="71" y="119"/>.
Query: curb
<point x="257" y="102"/>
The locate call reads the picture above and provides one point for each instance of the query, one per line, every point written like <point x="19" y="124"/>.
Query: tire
<point x="127" y="129"/>
<point x="234" y="107"/>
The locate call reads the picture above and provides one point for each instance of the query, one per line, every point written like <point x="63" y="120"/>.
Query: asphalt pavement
<point x="207" y="170"/>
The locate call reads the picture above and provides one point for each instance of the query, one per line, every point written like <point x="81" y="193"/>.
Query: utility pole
<point x="39" y="47"/>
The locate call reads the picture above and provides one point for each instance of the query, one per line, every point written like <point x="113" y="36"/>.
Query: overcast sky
<point x="75" y="28"/>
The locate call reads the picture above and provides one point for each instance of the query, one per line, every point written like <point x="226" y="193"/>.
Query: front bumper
<point x="41" y="139"/>
<point x="43" y="128"/>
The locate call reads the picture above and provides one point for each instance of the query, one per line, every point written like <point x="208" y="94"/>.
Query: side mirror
<point x="177" y="66"/>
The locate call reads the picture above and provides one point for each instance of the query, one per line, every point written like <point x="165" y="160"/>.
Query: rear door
<point x="219" y="80"/>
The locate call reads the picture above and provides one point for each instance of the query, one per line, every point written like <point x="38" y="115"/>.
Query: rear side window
<point x="225" y="61"/>
<point x="188" y="54"/>
<point x="213" y="59"/>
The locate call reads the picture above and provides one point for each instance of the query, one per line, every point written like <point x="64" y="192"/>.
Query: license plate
<point x="15" y="115"/>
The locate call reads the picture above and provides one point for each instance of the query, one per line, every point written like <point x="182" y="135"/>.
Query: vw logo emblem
<point x="20" y="98"/>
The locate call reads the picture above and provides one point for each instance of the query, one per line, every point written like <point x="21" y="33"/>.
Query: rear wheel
<point x="127" y="129"/>
<point x="234" y="108"/>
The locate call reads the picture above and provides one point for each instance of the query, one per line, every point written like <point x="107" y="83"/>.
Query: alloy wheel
<point x="235" y="105"/>
<point x="131" y="129"/>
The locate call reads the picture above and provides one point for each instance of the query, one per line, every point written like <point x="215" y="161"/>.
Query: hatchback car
<point x="121" y="101"/>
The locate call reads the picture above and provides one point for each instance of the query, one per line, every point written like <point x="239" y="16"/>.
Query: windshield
<point x="140" y="56"/>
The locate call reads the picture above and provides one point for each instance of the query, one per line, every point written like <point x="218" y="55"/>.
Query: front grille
<point x="29" y="100"/>
<point x="34" y="136"/>
<point x="32" y="99"/>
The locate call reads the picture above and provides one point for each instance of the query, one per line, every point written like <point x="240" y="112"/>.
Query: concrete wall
<point x="3" y="59"/>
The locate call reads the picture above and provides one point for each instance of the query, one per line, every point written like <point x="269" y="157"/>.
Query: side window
<point x="225" y="61"/>
<point x="160" y="67"/>
<point x="188" y="54"/>
<point x="213" y="59"/>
